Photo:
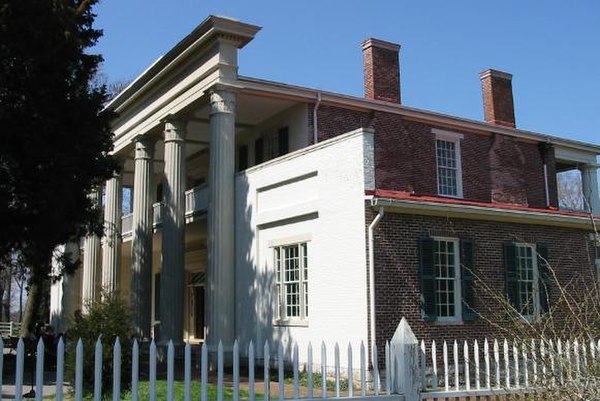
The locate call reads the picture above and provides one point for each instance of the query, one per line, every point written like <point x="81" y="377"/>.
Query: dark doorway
<point x="199" y="312"/>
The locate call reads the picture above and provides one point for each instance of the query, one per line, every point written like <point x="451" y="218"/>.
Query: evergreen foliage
<point x="55" y="139"/>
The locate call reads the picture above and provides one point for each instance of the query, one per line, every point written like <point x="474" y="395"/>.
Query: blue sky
<point x="552" y="48"/>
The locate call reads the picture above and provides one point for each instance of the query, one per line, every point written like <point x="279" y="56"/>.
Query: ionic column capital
<point x="589" y="167"/>
<point x="175" y="129"/>
<point x="222" y="101"/>
<point x="144" y="146"/>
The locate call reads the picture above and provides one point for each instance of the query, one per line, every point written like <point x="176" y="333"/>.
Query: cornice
<point x="482" y="213"/>
<point x="211" y="29"/>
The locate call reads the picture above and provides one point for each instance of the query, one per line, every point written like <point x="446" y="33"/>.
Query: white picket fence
<point x="412" y="371"/>
<point x="359" y="383"/>
<point x="502" y="367"/>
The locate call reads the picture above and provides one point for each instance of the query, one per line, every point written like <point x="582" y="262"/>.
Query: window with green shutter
<point x="446" y="275"/>
<point x="527" y="277"/>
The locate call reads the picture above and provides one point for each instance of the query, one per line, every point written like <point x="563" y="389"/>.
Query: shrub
<point x="108" y="320"/>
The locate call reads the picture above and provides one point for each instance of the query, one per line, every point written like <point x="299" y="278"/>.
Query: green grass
<point x="161" y="392"/>
<point x="317" y="381"/>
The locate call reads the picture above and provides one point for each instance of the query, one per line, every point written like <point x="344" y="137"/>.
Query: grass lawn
<point x="161" y="392"/>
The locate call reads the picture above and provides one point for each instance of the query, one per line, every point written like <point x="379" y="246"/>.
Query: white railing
<point x="196" y="200"/>
<point x="10" y="329"/>
<point x="127" y="225"/>
<point x="495" y="367"/>
<point x="278" y="381"/>
<point x="157" y="214"/>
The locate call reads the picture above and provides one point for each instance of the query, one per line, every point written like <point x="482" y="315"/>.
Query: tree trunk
<point x="21" y="301"/>
<point x="4" y="302"/>
<point x="8" y="302"/>
<point x="30" y="314"/>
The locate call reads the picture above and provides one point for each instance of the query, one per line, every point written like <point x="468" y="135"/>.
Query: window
<point x="258" y="151"/>
<point x="449" y="174"/>
<point x="271" y="145"/>
<point x="243" y="157"/>
<point x="291" y="266"/>
<point x="446" y="279"/>
<point x="526" y="277"/>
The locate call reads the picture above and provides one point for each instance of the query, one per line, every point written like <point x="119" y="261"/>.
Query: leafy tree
<point x="55" y="139"/>
<point x="570" y="192"/>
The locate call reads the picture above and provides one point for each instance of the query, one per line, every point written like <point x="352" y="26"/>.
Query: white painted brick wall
<point x="315" y="193"/>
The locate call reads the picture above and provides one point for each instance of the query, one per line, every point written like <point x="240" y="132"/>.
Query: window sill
<point x="451" y="196"/>
<point x="291" y="322"/>
<point x="453" y="322"/>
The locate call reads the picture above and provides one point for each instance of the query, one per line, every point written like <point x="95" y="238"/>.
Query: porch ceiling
<point x="250" y="111"/>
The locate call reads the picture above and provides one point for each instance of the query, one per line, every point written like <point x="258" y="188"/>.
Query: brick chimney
<point x="498" y="107"/>
<point x="382" y="70"/>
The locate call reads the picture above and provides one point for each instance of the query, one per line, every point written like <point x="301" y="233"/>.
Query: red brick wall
<point x="397" y="284"/>
<point x="494" y="167"/>
<point x="334" y="121"/>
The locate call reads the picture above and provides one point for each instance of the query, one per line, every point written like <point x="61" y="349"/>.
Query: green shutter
<point x="467" y="280"/>
<point x="544" y="276"/>
<point x="243" y="158"/>
<point x="284" y="141"/>
<point x="258" y="151"/>
<point x="510" y="274"/>
<point x="427" y="275"/>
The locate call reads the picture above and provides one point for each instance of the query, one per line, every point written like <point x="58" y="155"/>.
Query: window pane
<point x="444" y="256"/>
<point x="291" y="264"/>
<point x="447" y="168"/>
<point x="526" y="278"/>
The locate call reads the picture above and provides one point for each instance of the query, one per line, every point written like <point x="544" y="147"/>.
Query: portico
<point x="151" y="257"/>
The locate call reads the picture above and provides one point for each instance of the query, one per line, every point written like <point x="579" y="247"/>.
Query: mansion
<point x="267" y="211"/>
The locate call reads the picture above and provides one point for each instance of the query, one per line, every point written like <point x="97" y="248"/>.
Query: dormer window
<point x="449" y="173"/>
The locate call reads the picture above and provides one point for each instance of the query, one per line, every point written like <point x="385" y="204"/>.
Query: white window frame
<point x="536" y="279"/>
<point x="457" y="283"/>
<point x="281" y="318"/>
<point x="454" y="137"/>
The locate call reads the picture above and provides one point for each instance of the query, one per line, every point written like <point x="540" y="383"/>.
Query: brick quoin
<point x="397" y="285"/>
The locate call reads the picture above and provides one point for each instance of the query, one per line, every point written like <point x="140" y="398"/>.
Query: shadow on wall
<point x="256" y="301"/>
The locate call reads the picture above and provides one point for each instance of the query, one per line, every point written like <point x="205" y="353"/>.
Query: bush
<point x="108" y="320"/>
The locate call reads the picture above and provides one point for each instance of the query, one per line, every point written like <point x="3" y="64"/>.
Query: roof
<point x="452" y="207"/>
<point x="310" y="95"/>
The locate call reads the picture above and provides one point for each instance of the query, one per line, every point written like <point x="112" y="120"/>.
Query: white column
<point x="65" y="293"/>
<point x="589" y="185"/>
<point x="71" y="287"/>
<point x="172" y="277"/>
<point x="91" y="264"/>
<point x="220" y="310"/>
<point x="141" y="244"/>
<point x="111" y="243"/>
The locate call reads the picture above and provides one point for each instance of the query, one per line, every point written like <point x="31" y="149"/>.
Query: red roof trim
<point x="402" y="195"/>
